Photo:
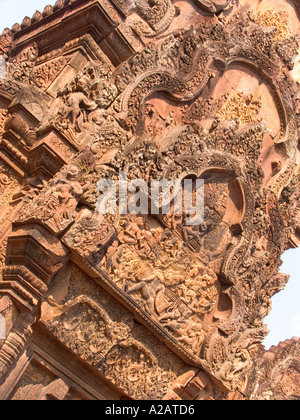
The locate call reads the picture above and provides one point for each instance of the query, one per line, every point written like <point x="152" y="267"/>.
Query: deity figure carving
<point x="77" y="111"/>
<point x="75" y="103"/>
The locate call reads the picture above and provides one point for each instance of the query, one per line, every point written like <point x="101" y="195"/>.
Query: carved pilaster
<point x="15" y="342"/>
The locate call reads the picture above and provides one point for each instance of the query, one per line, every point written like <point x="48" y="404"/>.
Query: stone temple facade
<point x="146" y="306"/>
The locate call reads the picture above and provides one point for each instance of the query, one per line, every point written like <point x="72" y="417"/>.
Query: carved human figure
<point x="192" y="335"/>
<point x="172" y="219"/>
<point x="132" y="233"/>
<point x="215" y="6"/>
<point x="21" y="66"/>
<point x="58" y="203"/>
<point x="185" y="330"/>
<point x="76" y="103"/>
<point x="152" y="298"/>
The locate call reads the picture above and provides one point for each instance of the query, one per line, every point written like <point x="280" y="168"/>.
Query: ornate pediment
<point x="162" y="91"/>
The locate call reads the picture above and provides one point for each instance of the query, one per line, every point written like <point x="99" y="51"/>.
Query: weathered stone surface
<point x="277" y="373"/>
<point x="146" y="306"/>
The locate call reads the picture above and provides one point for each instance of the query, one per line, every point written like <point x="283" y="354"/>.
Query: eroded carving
<point x="44" y="74"/>
<point x="104" y="334"/>
<point x="77" y="110"/>
<point x="57" y="204"/>
<point x="21" y="66"/>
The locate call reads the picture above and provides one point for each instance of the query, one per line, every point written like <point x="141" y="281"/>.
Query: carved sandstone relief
<point x="56" y="205"/>
<point x="21" y="66"/>
<point x="246" y="232"/>
<point x="77" y="110"/>
<point x="9" y="184"/>
<point x="148" y="260"/>
<point x="150" y="18"/>
<point x="3" y="115"/>
<point x="39" y="383"/>
<point x="278" y="372"/>
<point x="148" y="294"/>
<point x="171" y="313"/>
<point x="99" y="330"/>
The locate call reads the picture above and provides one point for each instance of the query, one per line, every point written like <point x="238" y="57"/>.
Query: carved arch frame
<point x="175" y="86"/>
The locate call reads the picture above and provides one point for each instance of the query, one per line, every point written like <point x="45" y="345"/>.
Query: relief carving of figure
<point x="62" y="198"/>
<point x="174" y="110"/>
<point x="57" y="203"/>
<point x="75" y="107"/>
<point x="79" y="106"/>
<point x="20" y="67"/>
<point x="151" y="291"/>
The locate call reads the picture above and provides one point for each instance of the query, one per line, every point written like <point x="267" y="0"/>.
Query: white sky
<point x="284" y="320"/>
